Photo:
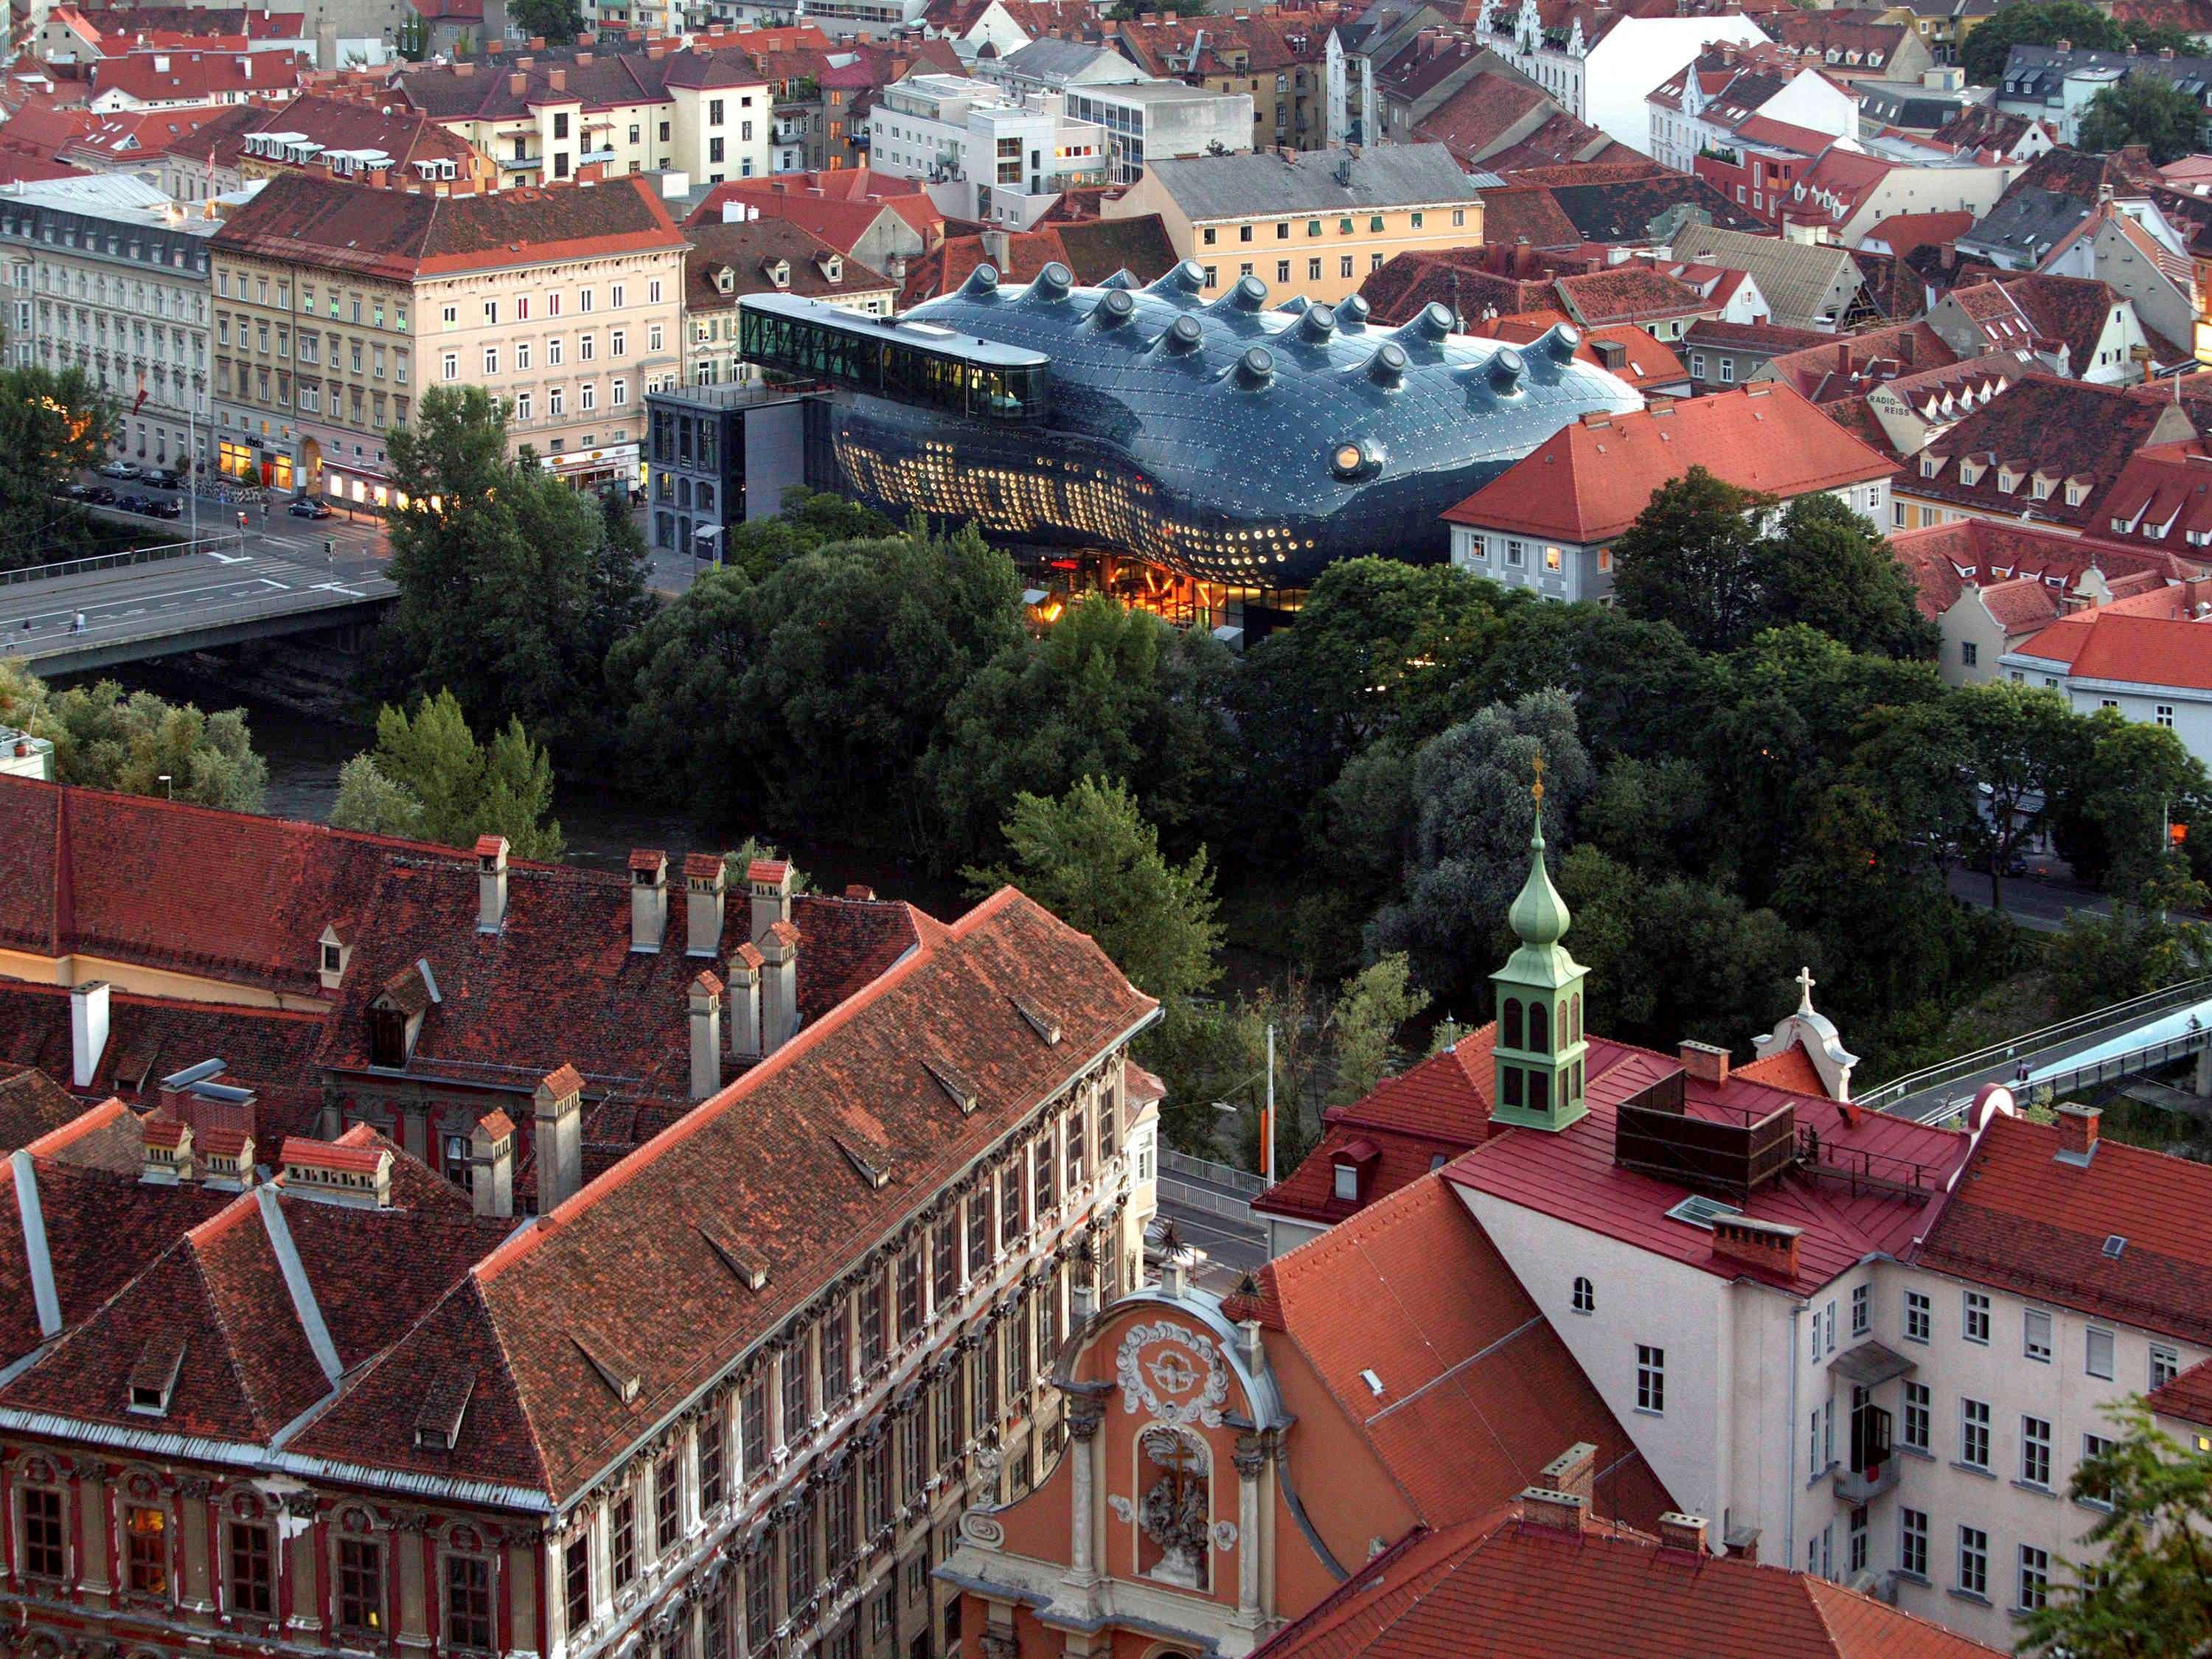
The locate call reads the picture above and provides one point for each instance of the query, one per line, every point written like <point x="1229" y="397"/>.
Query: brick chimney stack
<point x="704" y="1002"/>
<point x="746" y="964"/>
<point x="491" y="884"/>
<point x="1682" y="1532"/>
<point x="1705" y="1062"/>
<point x="706" y="881"/>
<point x="558" y="1109"/>
<point x="491" y="1164"/>
<point x="780" y="990"/>
<point x="2077" y="1132"/>
<point x="648" y="899"/>
<point x="770" y="881"/>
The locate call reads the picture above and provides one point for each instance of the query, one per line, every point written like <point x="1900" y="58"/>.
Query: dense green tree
<point x="104" y="738"/>
<point x="805" y="700"/>
<point x="1828" y="567"/>
<point x="2015" y="742"/>
<point x="1090" y="859"/>
<point x="1679" y="958"/>
<point x="2035" y="23"/>
<point x="512" y="586"/>
<point x="810" y="519"/>
<point x="1108" y="692"/>
<point x="552" y="21"/>
<point x="1694" y="558"/>
<point x="429" y="778"/>
<point x="2145" y="110"/>
<point x="2111" y="806"/>
<point x="1364" y="1025"/>
<point x="1379" y="644"/>
<point x="52" y="425"/>
<point x="2140" y="947"/>
<point x="1473" y="817"/>
<point x="2148" y="1593"/>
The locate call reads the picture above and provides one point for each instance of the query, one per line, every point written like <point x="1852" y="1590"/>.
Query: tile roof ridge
<point x="62" y="1136"/>
<point x="525" y="1240"/>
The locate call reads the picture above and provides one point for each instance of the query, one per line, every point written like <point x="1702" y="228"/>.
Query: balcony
<point x="1857" y="1486"/>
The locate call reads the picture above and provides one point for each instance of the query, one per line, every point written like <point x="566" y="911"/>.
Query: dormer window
<point x="1930" y="466"/>
<point x="154" y="1378"/>
<point x="1347" y="1183"/>
<point x="725" y="280"/>
<point x="2008" y="481"/>
<point x="332" y="954"/>
<point x="388" y="1038"/>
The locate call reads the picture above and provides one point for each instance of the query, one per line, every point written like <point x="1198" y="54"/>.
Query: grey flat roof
<point x="1255" y="185"/>
<point x="920" y="336"/>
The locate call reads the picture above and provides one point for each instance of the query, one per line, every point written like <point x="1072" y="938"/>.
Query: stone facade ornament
<point x="1224" y="1535"/>
<point x="1188" y="1383"/>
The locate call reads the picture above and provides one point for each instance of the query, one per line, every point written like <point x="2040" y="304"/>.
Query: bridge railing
<point x="1219" y="1174"/>
<point x="2148" y="1058"/>
<point x="2030" y="1042"/>
<point x="36" y="573"/>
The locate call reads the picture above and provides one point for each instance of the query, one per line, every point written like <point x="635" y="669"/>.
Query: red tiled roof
<point x="1505" y="1587"/>
<point x="198" y="77"/>
<point x="1904" y="232"/>
<point x="1092" y="249"/>
<point x="1432" y="1111"/>
<point x="1648" y="363"/>
<point x="1789" y="1068"/>
<point x="2020" y="1219"/>
<point x="400" y="234"/>
<point x="2188" y="1397"/>
<point x="1627" y="293"/>
<point x="1478" y="1391"/>
<point x="31" y="1104"/>
<point x="767" y="1149"/>
<point x="164" y="884"/>
<point x="1587" y="483"/>
<point x="2133" y="650"/>
<point x="1571" y="1175"/>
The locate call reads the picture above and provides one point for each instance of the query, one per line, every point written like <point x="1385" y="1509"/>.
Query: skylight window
<point x="2113" y="1246"/>
<point x="1699" y="1210"/>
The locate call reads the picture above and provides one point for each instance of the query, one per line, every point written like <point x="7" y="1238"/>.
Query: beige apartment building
<point x="337" y="304"/>
<point x="1315" y="223"/>
<point x="706" y="113"/>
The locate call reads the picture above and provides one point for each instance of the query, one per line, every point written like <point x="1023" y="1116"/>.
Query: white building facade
<point x="988" y="151"/>
<point x="108" y="275"/>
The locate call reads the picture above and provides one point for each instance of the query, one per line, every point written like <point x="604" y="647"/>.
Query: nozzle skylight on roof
<point x="1043" y="1021"/>
<point x="957" y="1088"/>
<point x="736" y="1253"/>
<point x="614" y="1367"/>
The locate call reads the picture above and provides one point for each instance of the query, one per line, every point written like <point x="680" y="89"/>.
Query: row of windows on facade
<point x="587" y="348"/>
<point x="279" y="343"/>
<point x="372" y="310"/>
<point x="157" y="302"/>
<point x="1345" y="226"/>
<point x="646" y="1521"/>
<point x="2031" y="1587"/>
<point x="1346" y="269"/>
<point x="180" y="253"/>
<point x="1515" y="553"/>
<point x="2098" y="1342"/>
<point x="278" y="390"/>
<point x="81" y="323"/>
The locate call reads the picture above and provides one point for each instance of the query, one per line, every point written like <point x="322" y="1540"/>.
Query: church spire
<point x="1539" y="1052"/>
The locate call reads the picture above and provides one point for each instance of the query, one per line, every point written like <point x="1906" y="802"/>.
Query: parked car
<point x="77" y="492"/>
<point x="308" y="507"/>
<point x="101" y="496"/>
<point x="121" y="471"/>
<point x="131" y="503"/>
<point x="165" y="509"/>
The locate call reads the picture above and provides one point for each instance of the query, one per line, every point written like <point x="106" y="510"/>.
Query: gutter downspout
<point x="1790" y="1449"/>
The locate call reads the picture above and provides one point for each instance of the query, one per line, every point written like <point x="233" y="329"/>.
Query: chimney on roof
<point x="704" y="1002"/>
<point x="744" y="995"/>
<point x="1554" y="1511"/>
<point x="770" y="881"/>
<point x="706" y="881"/>
<point x="2062" y="45"/>
<point x="517" y="85"/>
<point x="1682" y="1532"/>
<point x="648" y="899"/>
<point x="88" y="1030"/>
<point x="557" y="79"/>
<point x="779" y="951"/>
<point x="339" y="1172"/>
<point x="491" y="1164"/>
<point x="1705" y="1062"/>
<point x="2077" y="1132"/>
<point x="537" y="43"/>
<point x="1770" y="1246"/>
<point x="558" y="1109"/>
<point x="491" y="884"/>
<point x="166" y="1159"/>
<point x="1573" y="1473"/>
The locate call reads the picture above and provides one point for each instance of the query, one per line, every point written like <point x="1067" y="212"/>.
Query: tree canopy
<point x="2046" y="22"/>
<point x="554" y="21"/>
<point x="104" y="738"/>
<point x="2147" y="111"/>
<point x="52" y="425"/>
<point x="428" y="779"/>
<point x="513" y="586"/>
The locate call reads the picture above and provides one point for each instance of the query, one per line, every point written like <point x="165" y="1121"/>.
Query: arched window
<point x="1585" y="1297"/>
<point x="1539" y="1028"/>
<point x="1578" y="1015"/>
<point x="1512" y="1021"/>
<point x="1563" y="1038"/>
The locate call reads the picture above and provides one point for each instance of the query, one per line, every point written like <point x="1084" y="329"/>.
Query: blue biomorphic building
<point x="1213" y="437"/>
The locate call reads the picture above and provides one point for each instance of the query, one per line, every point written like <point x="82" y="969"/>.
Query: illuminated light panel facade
<point x="1221" y="439"/>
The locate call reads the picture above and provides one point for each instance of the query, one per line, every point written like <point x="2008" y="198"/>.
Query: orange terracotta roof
<point x="1790" y="1068"/>
<point x="1589" y="481"/>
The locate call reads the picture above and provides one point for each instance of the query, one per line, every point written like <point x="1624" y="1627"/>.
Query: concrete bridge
<point x="192" y="595"/>
<point x="2129" y="1039"/>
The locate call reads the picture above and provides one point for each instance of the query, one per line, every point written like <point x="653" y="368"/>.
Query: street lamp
<point x="169" y="787"/>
